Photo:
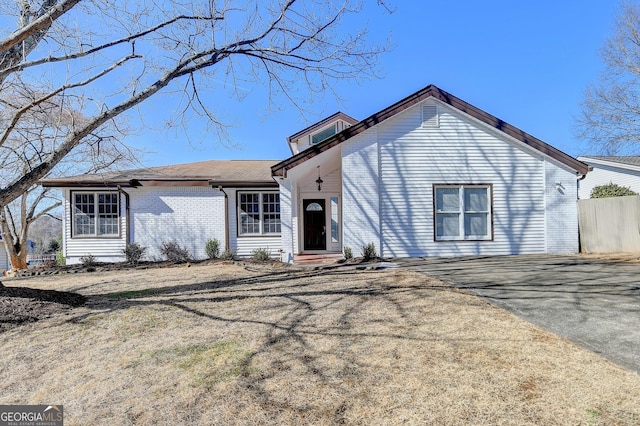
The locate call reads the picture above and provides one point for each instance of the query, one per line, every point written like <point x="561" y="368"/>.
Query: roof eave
<point x="242" y="184"/>
<point x="609" y="163"/>
<point x="88" y="184"/>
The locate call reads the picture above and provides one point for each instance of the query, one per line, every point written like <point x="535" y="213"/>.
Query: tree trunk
<point x="18" y="260"/>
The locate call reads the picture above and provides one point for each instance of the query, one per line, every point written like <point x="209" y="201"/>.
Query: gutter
<point x="226" y="218"/>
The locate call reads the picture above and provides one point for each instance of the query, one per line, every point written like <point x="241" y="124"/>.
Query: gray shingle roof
<point x="629" y="159"/>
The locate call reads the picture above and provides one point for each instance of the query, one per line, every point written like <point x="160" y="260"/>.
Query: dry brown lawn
<point x="232" y="344"/>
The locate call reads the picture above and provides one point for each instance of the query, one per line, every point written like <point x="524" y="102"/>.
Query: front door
<point x="315" y="232"/>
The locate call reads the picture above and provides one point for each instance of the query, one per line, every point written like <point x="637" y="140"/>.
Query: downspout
<point x="126" y="214"/>
<point x="226" y="218"/>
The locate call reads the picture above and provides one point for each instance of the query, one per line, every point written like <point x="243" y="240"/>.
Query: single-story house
<point x="621" y="170"/>
<point x="430" y="175"/>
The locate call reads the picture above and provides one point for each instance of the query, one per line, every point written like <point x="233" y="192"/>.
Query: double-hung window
<point x="259" y="213"/>
<point x="462" y="212"/>
<point x="95" y="214"/>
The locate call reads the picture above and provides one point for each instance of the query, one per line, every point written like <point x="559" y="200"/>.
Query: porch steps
<point x="317" y="259"/>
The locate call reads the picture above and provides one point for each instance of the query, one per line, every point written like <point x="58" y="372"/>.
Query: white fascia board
<point x="615" y="164"/>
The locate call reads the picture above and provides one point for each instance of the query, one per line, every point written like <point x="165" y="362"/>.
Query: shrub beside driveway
<point x="225" y="344"/>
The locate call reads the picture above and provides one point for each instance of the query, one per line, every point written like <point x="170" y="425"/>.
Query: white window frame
<point x="261" y="213"/>
<point x="333" y="127"/>
<point x="462" y="211"/>
<point x="96" y="215"/>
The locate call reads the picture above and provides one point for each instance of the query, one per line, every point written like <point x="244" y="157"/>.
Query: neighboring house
<point x="623" y="171"/>
<point x="430" y="175"/>
<point x="4" y="258"/>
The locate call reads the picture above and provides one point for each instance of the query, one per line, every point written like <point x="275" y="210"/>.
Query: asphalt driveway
<point x="592" y="302"/>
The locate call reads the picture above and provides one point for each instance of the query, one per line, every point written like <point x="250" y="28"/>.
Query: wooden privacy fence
<point x="609" y="225"/>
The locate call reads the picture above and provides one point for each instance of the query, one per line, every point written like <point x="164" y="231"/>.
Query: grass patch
<point x="205" y="364"/>
<point x="132" y="294"/>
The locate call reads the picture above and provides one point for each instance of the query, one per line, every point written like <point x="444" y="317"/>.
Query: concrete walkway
<point x="592" y="302"/>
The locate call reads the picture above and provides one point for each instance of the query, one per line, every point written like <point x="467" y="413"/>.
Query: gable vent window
<point x="323" y="134"/>
<point x="430" y="117"/>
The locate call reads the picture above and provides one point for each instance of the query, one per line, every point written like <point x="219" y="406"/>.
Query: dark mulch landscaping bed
<point x="19" y="305"/>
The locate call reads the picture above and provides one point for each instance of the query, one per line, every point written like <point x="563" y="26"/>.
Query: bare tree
<point x="34" y="137"/>
<point x="609" y="119"/>
<point x="104" y="58"/>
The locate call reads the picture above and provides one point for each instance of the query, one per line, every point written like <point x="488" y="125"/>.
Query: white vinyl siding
<point x="460" y="150"/>
<point x="287" y="219"/>
<point x="244" y="245"/>
<point x="603" y="174"/>
<point x="389" y="174"/>
<point x="104" y="249"/>
<point x="361" y="191"/>
<point x="561" y="209"/>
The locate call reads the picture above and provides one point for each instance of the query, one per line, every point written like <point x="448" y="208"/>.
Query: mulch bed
<point x="19" y="305"/>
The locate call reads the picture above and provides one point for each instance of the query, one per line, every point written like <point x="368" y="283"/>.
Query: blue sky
<point x="525" y="62"/>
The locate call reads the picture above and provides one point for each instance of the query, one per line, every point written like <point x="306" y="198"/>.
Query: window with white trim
<point x="323" y="134"/>
<point x="95" y="214"/>
<point x="462" y="212"/>
<point x="258" y="213"/>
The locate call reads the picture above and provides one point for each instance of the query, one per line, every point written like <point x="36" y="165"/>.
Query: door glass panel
<point x="314" y="207"/>
<point x="334" y="220"/>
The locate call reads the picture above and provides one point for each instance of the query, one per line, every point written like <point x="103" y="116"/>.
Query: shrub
<point x="611" y="190"/>
<point x="348" y="253"/>
<point x="212" y="248"/>
<point x="88" y="260"/>
<point x="133" y="253"/>
<point x="261" y="254"/>
<point x="173" y="252"/>
<point x="60" y="260"/>
<point x="53" y="247"/>
<point x="228" y="255"/>
<point x="369" y="251"/>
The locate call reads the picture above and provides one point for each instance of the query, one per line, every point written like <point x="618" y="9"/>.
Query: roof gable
<point x="430" y="91"/>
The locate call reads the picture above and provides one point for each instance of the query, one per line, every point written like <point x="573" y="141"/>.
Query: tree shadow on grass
<point x="317" y="324"/>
